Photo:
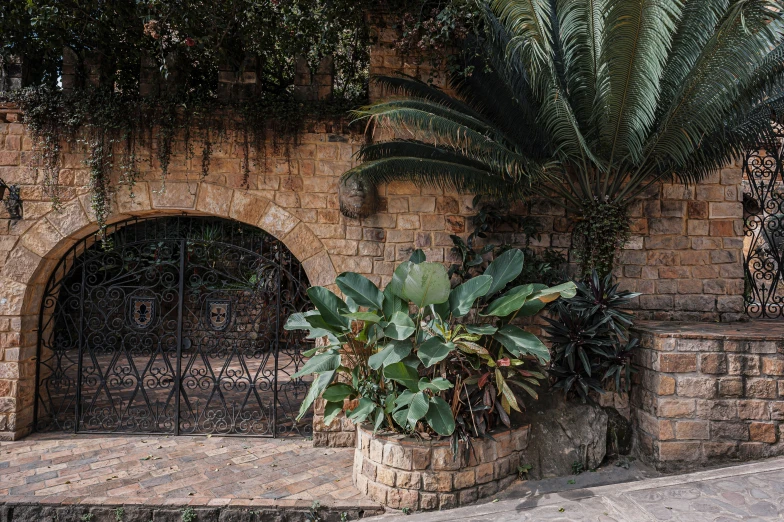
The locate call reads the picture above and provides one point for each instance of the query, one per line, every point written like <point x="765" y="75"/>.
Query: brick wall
<point x="708" y="393"/>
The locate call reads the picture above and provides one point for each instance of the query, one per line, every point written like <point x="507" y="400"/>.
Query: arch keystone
<point x="214" y="199"/>
<point x="175" y="194"/>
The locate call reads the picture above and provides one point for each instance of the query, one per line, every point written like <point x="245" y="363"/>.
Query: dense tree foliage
<point x="191" y="39"/>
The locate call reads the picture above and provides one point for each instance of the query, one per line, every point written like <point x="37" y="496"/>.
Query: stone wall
<point x="420" y="475"/>
<point x="684" y="257"/>
<point x="341" y="433"/>
<point x="709" y="393"/>
<point x="686" y="252"/>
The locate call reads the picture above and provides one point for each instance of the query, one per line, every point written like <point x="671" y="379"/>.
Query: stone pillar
<point x="68" y="76"/>
<point x="342" y="433"/>
<point x="238" y="84"/>
<point x="707" y="393"/>
<point x="313" y="87"/>
<point x="11" y="73"/>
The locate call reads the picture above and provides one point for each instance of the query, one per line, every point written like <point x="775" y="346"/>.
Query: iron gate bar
<point x="178" y="373"/>
<point x="763" y="224"/>
<point x="135" y="264"/>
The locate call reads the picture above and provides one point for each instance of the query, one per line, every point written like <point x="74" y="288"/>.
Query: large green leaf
<point x="331" y="411"/>
<point x="330" y="307"/>
<point x="401" y="417"/>
<point x="399" y="278"/>
<point x="481" y="329"/>
<point x="510" y="302"/>
<point x="315" y="391"/>
<point x="532" y="307"/>
<point x="426" y="284"/>
<point x="437" y="385"/>
<point x="368" y="317"/>
<point x="393" y="303"/>
<point x="433" y="351"/>
<point x="392" y="353"/>
<point x="361" y="290"/>
<point x="400" y="326"/>
<point x="417" y="408"/>
<point x="417" y="256"/>
<point x="566" y="290"/>
<point x="504" y="269"/>
<point x="519" y="342"/>
<point x="362" y="411"/>
<point x="462" y="298"/>
<point x="319" y="363"/>
<point x="403" y="374"/>
<point x="439" y="417"/>
<point x="312" y="322"/>
<point x="337" y="392"/>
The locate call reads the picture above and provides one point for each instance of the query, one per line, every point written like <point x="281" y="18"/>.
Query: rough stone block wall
<point x="402" y="472"/>
<point x="707" y="394"/>
<point x="686" y="252"/>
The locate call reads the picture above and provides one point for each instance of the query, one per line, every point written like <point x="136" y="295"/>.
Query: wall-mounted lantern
<point x="13" y="203"/>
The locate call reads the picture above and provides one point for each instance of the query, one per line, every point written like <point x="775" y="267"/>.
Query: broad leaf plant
<point x="421" y="356"/>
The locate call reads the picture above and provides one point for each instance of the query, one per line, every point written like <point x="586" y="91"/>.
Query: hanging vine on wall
<point x="116" y="132"/>
<point x="603" y="230"/>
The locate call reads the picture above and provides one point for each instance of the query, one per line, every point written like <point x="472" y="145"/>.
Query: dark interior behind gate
<point x="173" y="325"/>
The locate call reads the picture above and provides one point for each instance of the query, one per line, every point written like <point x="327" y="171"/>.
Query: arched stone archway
<point x="40" y="247"/>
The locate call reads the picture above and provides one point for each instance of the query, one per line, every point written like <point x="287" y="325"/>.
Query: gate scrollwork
<point x="173" y="325"/>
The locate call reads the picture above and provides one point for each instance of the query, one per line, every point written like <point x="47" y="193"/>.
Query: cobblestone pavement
<point x="750" y="492"/>
<point x="159" y="470"/>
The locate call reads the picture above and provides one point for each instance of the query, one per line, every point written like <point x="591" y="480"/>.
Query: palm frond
<point x="445" y="175"/>
<point x="635" y="48"/>
<point x="419" y="125"/>
<point x="711" y="90"/>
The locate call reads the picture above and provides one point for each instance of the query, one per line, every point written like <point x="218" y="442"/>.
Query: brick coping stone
<point x="402" y="472"/>
<point x="756" y="330"/>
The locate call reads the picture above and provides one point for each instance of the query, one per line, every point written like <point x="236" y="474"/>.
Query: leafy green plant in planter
<point x="590" y="341"/>
<point x="406" y="360"/>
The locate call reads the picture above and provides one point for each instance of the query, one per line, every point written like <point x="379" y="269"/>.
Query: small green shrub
<point x="188" y="515"/>
<point x="590" y="342"/>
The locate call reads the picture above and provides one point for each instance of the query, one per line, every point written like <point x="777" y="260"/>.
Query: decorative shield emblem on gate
<point x="142" y="311"/>
<point x="218" y="313"/>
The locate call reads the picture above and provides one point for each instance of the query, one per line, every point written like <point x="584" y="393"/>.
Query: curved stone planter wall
<point x="421" y="475"/>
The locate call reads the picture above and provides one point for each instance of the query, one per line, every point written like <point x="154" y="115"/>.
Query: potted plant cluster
<point x="421" y="358"/>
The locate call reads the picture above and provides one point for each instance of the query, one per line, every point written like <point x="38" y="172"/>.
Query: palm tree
<point x="588" y="103"/>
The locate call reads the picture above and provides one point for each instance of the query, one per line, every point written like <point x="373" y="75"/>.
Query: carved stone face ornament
<point x="357" y="197"/>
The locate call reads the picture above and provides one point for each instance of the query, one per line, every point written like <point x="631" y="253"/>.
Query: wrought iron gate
<point x="763" y="249"/>
<point x="172" y="325"/>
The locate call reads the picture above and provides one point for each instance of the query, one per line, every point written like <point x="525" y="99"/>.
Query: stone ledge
<point x="256" y="510"/>
<point x="708" y="393"/>
<point x="423" y="475"/>
<point x="757" y="330"/>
